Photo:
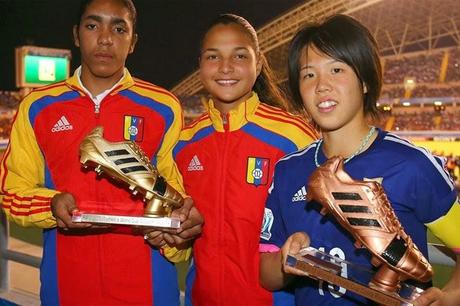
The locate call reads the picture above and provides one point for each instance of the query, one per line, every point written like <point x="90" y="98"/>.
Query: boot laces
<point x="141" y="154"/>
<point x="388" y="214"/>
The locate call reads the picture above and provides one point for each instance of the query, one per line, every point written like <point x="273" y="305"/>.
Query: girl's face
<point x="331" y="91"/>
<point x="105" y="37"/>
<point x="228" y="65"/>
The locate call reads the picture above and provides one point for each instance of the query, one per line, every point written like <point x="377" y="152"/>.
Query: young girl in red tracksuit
<point x="42" y="181"/>
<point x="227" y="157"/>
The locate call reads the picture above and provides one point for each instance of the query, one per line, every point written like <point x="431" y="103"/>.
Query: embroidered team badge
<point x="257" y="171"/>
<point x="133" y="128"/>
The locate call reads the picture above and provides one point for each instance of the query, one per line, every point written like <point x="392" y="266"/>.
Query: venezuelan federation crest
<point x="133" y="128"/>
<point x="257" y="171"/>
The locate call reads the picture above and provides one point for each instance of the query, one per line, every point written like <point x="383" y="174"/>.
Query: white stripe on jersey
<point x="290" y="155"/>
<point x="300" y="152"/>
<point x="441" y="170"/>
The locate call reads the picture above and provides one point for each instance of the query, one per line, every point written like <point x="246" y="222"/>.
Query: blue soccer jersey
<point x="418" y="187"/>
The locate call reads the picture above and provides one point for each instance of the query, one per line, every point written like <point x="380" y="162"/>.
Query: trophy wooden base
<point x="160" y="222"/>
<point x="322" y="266"/>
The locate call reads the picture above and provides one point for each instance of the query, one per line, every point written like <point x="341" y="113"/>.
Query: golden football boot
<point x="126" y="162"/>
<point x="363" y="209"/>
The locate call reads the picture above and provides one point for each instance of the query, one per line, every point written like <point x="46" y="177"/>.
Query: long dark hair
<point x="344" y="39"/>
<point x="265" y="85"/>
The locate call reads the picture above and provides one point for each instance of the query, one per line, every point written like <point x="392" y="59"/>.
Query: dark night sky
<point x="169" y="32"/>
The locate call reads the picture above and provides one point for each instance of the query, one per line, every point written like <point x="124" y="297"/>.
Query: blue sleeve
<point x="273" y="230"/>
<point x="434" y="192"/>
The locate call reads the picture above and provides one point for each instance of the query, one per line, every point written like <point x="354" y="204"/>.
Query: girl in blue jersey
<point x="335" y="76"/>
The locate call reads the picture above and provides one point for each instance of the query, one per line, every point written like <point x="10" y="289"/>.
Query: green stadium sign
<point x="45" y="69"/>
<point x="38" y="66"/>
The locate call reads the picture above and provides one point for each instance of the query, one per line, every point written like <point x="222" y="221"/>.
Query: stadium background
<point x="419" y="43"/>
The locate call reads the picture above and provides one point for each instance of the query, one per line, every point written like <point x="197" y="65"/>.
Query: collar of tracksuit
<point x="125" y="82"/>
<point x="237" y="117"/>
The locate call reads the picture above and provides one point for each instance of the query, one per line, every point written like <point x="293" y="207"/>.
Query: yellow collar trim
<point x="237" y="117"/>
<point x="125" y="82"/>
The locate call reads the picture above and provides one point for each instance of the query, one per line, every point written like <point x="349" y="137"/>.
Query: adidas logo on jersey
<point x="300" y="195"/>
<point x="195" y="164"/>
<point x="62" y="125"/>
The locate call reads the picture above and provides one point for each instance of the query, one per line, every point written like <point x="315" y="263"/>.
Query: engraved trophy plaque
<point x="125" y="162"/>
<point x="362" y="208"/>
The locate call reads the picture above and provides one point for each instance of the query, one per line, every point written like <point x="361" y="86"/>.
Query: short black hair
<point x="344" y="39"/>
<point x="127" y="3"/>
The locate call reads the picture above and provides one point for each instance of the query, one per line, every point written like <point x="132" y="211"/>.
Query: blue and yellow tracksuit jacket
<point x="114" y="267"/>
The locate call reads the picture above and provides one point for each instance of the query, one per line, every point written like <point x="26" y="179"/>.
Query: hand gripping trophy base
<point x="363" y="209"/>
<point x="126" y="162"/>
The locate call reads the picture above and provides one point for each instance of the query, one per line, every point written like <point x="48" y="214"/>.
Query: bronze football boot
<point x="363" y="209"/>
<point x="126" y="162"/>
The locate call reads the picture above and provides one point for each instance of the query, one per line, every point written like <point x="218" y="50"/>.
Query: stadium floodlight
<point x="409" y="83"/>
<point x="38" y="66"/>
<point x="387" y="108"/>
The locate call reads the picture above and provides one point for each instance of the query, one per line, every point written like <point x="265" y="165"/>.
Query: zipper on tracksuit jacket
<point x="223" y="176"/>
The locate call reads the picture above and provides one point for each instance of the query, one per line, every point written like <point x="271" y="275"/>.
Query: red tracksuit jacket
<point x="227" y="165"/>
<point x="42" y="159"/>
